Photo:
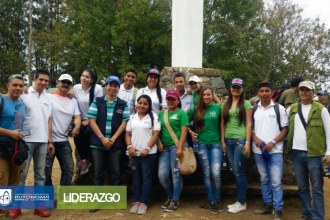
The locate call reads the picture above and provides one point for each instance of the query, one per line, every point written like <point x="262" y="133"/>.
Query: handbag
<point x="17" y="151"/>
<point x="187" y="163"/>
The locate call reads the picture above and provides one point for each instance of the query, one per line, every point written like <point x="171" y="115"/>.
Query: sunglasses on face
<point x="304" y="89"/>
<point x="66" y="82"/>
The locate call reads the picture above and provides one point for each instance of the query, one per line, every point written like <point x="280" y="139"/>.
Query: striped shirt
<point x="92" y="113"/>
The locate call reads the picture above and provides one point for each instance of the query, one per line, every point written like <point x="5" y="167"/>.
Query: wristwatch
<point x="274" y="142"/>
<point x="148" y="149"/>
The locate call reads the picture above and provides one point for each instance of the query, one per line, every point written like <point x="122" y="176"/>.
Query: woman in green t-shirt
<point x="171" y="149"/>
<point x="206" y="117"/>
<point x="235" y="137"/>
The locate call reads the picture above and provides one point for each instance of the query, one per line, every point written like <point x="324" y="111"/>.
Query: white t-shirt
<point x="299" y="133"/>
<point x="142" y="132"/>
<point x="266" y="127"/>
<point x="38" y="112"/>
<point x="127" y="96"/>
<point x="154" y="98"/>
<point x="63" y="109"/>
<point x="83" y="98"/>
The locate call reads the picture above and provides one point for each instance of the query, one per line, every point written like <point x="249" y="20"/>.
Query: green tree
<point x="12" y="38"/>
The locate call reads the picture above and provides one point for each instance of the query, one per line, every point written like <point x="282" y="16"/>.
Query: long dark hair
<point x="149" y="111"/>
<point x="200" y="110"/>
<point x="93" y="76"/>
<point x="241" y="109"/>
<point x="158" y="90"/>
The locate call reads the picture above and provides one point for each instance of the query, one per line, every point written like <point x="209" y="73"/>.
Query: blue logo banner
<point x="26" y="197"/>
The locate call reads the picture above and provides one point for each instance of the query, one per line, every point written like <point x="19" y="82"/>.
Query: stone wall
<point x="210" y="77"/>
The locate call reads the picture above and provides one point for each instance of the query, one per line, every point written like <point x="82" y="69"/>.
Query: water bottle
<point x="48" y="160"/>
<point x="224" y="162"/>
<point x="176" y="169"/>
<point x="265" y="153"/>
<point x="326" y="169"/>
<point x="196" y="146"/>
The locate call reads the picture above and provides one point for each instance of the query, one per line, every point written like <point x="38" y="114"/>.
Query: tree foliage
<point x="242" y="38"/>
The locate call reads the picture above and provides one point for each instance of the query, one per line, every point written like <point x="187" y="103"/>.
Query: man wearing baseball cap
<point x="309" y="139"/>
<point x="61" y="121"/>
<point x="108" y="117"/>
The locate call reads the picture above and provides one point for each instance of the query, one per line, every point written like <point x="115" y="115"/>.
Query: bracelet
<point x="247" y="142"/>
<point x="129" y="146"/>
<point x="148" y="149"/>
<point x="100" y="137"/>
<point x="273" y="141"/>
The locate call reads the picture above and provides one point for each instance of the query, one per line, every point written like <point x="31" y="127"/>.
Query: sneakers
<point x="174" y="205"/>
<point x="84" y="166"/>
<point x="135" y="207"/>
<point x="278" y="215"/>
<point x="237" y="207"/>
<point x="42" y="212"/>
<point x="216" y="208"/>
<point x="233" y="205"/>
<point x="166" y="203"/>
<point x="142" y="209"/>
<point x="265" y="209"/>
<point x="14" y="213"/>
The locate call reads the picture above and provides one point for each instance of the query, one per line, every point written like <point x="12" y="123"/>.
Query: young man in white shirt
<point x="63" y="110"/>
<point x="38" y="121"/>
<point x="309" y="139"/>
<point x="185" y="98"/>
<point x="270" y="126"/>
<point x="127" y="91"/>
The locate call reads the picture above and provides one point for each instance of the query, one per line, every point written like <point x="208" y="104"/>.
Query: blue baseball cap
<point x="153" y="71"/>
<point x="237" y="82"/>
<point x="112" y="79"/>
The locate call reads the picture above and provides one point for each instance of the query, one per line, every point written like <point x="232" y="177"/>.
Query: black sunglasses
<point x="66" y="82"/>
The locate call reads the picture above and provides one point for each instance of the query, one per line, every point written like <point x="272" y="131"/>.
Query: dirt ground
<point x="189" y="207"/>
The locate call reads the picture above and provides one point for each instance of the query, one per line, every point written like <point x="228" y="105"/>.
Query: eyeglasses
<point x="304" y="89"/>
<point x="66" y="82"/>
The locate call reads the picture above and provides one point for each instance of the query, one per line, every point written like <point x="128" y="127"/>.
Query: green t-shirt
<point x="211" y="132"/>
<point x="235" y="129"/>
<point x="176" y="120"/>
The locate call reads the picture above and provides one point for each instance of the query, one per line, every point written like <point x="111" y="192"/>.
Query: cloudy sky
<point x="316" y="8"/>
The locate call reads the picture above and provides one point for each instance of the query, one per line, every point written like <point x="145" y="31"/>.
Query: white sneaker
<point x="142" y="209"/>
<point x="135" y="207"/>
<point x="233" y="205"/>
<point x="237" y="208"/>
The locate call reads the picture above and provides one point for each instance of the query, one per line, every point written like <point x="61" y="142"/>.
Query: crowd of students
<point x="152" y="126"/>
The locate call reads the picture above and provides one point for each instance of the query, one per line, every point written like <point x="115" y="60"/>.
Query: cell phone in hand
<point x="26" y="132"/>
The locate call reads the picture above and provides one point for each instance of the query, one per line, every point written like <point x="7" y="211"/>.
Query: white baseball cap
<point x="307" y="84"/>
<point x="65" y="77"/>
<point x="194" y="79"/>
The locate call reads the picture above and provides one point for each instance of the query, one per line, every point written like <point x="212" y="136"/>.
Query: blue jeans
<point x="63" y="153"/>
<point x="38" y="152"/>
<point x="166" y="165"/>
<point x="237" y="161"/>
<point x="209" y="158"/>
<point x="271" y="173"/>
<point x="106" y="160"/>
<point x="142" y="176"/>
<point x="309" y="169"/>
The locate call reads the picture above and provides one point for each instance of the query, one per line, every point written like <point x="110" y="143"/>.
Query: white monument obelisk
<point x="187" y="33"/>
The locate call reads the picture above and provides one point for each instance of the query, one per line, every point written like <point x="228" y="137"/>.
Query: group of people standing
<point x="152" y="125"/>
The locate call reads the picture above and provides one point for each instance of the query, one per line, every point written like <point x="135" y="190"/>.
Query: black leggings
<point x="82" y="142"/>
